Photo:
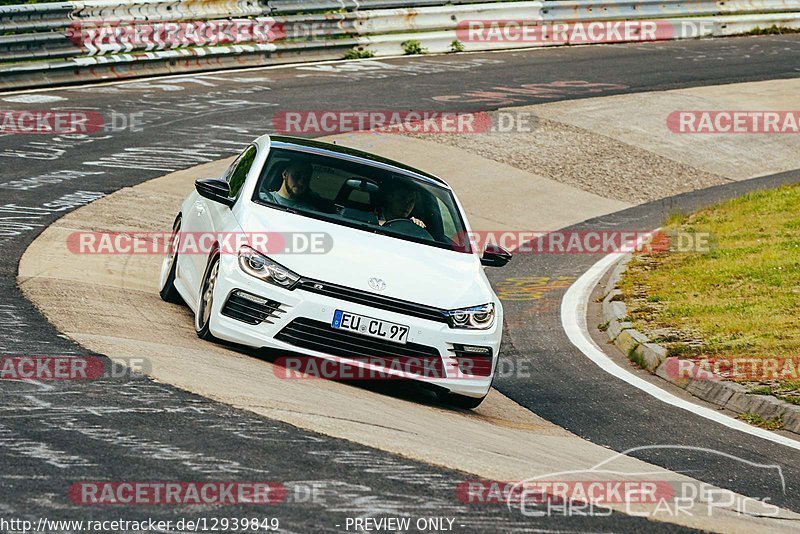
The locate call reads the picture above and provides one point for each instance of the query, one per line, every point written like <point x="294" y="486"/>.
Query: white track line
<point x="573" y="320"/>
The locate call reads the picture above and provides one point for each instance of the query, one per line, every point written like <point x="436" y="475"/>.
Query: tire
<point x="202" y="318"/>
<point x="167" y="289"/>
<point x="461" y="401"/>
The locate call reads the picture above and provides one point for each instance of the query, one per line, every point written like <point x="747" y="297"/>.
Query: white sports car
<point x="338" y="255"/>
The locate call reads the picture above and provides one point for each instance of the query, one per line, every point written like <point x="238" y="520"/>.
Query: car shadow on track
<point x="398" y="388"/>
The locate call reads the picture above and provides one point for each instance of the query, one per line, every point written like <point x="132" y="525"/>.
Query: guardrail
<point x="73" y="42"/>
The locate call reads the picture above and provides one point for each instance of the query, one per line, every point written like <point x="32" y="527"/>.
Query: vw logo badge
<point x="377" y="284"/>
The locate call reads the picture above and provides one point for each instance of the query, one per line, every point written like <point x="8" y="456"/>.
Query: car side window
<point x="237" y="172"/>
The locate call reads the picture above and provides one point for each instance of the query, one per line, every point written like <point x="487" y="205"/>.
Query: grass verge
<point x="775" y="423"/>
<point x="741" y="299"/>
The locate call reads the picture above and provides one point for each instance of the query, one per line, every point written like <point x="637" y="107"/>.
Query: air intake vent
<point x="473" y="359"/>
<point x="251" y="309"/>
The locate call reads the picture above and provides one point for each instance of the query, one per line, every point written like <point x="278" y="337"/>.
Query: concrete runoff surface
<point x="620" y="147"/>
<point x="109" y="304"/>
<point x="640" y="120"/>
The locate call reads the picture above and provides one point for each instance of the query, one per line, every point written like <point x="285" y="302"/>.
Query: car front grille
<point x="320" y="336"/>
<point x="376" y="301"/>
<point x="251" y="309"/>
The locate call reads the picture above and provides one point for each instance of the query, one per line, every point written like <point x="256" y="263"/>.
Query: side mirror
<point x="215" y="189"/>
<point x="495" y="256"/>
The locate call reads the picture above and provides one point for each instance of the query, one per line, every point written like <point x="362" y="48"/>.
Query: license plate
<point x="368" y="326"/>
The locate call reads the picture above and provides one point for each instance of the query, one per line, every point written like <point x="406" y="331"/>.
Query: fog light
<point x="473" y="360"/>
<point x="252" y="298"/>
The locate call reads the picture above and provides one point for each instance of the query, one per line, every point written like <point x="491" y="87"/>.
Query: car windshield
<point x="361" y="196"/>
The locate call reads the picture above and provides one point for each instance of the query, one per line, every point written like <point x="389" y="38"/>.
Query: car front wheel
<point x="202" y="318"/>
<point x="461" y="401"/>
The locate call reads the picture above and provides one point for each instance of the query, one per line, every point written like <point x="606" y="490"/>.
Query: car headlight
<point x="256" y="264"/>
<point x="474" y="318"/>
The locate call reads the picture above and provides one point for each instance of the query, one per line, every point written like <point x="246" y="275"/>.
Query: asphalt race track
<point x="136" y="429"/>
<point x="612" y="413"/>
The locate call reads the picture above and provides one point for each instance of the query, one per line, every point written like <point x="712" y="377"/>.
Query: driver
<point x="294" y="189"/>
<point x="399" y="199"/>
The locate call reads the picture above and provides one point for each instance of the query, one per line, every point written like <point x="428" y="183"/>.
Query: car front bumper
<point x="302" y="304"/>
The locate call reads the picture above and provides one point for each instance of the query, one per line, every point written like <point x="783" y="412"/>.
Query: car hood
<point x="411" y="271"/>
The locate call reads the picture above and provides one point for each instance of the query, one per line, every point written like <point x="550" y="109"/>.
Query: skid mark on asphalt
<point x="507" y="95"/>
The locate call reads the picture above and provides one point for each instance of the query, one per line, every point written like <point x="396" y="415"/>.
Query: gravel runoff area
<point x="582" y="159"/>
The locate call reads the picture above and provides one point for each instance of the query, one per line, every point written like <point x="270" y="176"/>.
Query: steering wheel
<point x="408" y="227"/>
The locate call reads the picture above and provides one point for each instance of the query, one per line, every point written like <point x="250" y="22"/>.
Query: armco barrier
<point x="281" y="7"/>
<point x="586" y="10"/>
<point x="35" y="17"/>
<point x="92" y="40"/>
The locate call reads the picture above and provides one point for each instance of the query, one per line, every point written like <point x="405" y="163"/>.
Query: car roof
<point x="352" y="154"/>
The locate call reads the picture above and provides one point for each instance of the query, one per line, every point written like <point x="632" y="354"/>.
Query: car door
<point x="209" y="217"/>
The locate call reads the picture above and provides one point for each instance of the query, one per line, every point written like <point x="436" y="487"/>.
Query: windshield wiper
<point x="361" y="226"/>
<point x="279" y="206"/>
